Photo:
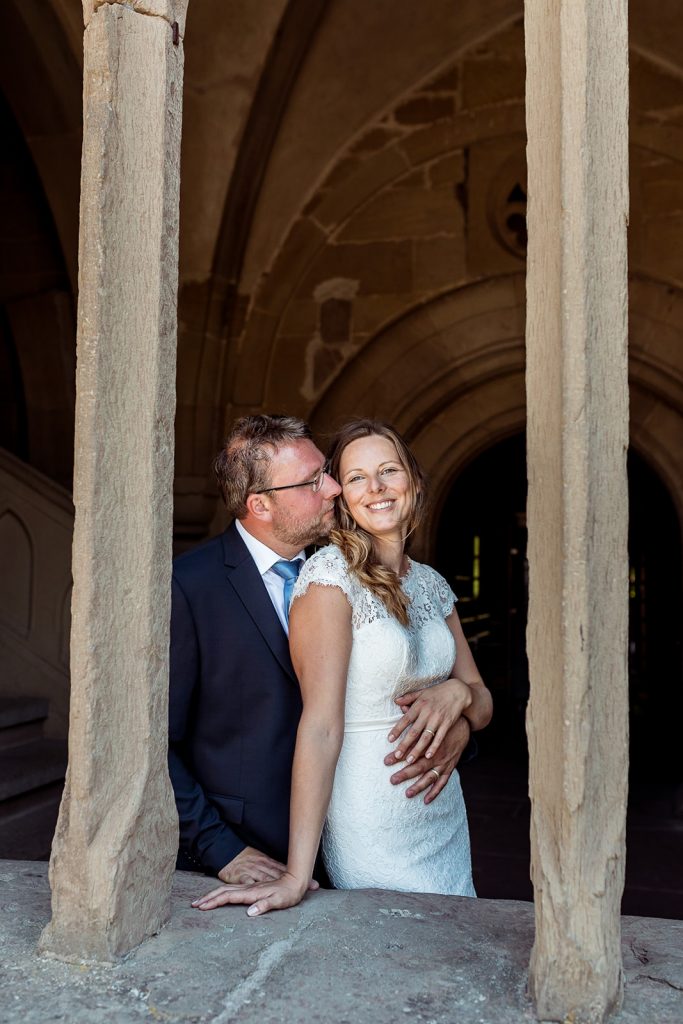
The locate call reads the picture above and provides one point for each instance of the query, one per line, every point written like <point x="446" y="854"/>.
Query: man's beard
<point x="300" y="533"/>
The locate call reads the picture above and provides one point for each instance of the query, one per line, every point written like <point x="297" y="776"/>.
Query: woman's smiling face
<point x="376" y="486"/>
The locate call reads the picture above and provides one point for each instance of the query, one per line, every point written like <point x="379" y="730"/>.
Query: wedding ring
<point x="430" y="731"/>
<point x="434" y="772"/>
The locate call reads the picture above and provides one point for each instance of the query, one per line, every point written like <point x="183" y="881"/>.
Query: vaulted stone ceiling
<point x="346" y="165"/>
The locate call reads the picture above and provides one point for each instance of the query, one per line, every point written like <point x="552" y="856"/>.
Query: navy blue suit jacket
<point x="234" y="707"/>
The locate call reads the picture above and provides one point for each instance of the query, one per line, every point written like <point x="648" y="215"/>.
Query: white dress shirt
<point x="265" y="559"/>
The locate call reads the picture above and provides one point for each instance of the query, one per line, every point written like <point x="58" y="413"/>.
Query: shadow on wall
<point x="36" y="527"/>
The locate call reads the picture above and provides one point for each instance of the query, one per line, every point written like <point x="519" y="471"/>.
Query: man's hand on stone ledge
<point x="251" y="866"/>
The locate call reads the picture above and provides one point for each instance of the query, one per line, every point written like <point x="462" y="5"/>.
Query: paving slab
<point x="363" y="956"/>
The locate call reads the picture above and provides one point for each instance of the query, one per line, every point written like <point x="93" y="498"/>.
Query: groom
<point x="234" y="698"/>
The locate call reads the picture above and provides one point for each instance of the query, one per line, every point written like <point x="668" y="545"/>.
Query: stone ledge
<point x="365" y="956"/>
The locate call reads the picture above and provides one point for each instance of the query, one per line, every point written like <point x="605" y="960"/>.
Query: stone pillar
<point x="114" y="849"/>
<point x="577" y="121"/>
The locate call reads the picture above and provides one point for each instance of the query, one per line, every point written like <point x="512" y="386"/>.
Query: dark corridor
<point x="481" y="549"/>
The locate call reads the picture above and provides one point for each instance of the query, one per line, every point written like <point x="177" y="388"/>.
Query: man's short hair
<point x="243" y="464"/>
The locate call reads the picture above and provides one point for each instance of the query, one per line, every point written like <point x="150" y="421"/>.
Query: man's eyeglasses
<point x="315" y="484"/>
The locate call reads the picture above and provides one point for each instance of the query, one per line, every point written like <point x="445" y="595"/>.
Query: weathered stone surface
<point x="490" y="80"/>
<point x="446" y="82"/>
<point x="382" y="267"/>
<point x="335" y="320"/>
<point x="577" y="435"/>
<point x="303" y="242"/>
<point x="113" y="853"/>
<point x="406" y="213"/>
<point x="249" y="383"/>
<point x="376" y="138"/>
<point x="342" y="956"/>
<point x="373" y="174"/>
<point x="449" y="169"/>
<point x="439" y="263"/>
<point x="424" y="110"/>
<point x="169" y="10"/>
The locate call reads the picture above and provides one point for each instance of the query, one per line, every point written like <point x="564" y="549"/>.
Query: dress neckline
<point x="409" y="571"/>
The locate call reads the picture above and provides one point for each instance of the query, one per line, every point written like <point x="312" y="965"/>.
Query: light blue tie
<point x="288" y="571"/>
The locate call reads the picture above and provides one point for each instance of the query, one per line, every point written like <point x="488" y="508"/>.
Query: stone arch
<point x="16" y="579"/>
<point x="280" y="333"/>
<point x="392" y="49"/>
<point x="226" y="338"/>
<point x="279" y="330"/>
<point x="294" y="190"/>
<point x="459" y="340"/>
<point x="351" y="168"/>
<point x="450" y="375"/>
<point x="460" y="386"/>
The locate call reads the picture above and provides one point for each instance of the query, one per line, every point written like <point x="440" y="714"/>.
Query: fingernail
<point x="410" y="759"/>
<point x="398" y="754"/>
<point x="252" y="911"/>
<point x="429" y="753"/>
<point x="391" y="737"/>
<point x="195" y="903"/>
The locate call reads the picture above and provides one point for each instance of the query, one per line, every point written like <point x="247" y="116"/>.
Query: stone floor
<point x="365" y="956"/>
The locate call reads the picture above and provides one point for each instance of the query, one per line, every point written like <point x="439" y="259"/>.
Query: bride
<point x="367" y="625"/>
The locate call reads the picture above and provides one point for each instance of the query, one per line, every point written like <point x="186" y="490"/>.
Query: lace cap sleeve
<point x="327" y="568"/>
<point x="443" y="594"/>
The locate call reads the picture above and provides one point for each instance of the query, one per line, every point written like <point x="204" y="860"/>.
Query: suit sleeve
<point x="203" y="834"/>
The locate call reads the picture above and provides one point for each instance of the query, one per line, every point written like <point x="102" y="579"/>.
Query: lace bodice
<point x="388" y="659"/>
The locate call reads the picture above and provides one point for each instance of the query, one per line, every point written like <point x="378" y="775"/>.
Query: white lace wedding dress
<point x="374" y="836"/>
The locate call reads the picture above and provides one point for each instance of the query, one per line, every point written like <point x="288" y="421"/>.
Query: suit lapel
<point x="245" y="578"/>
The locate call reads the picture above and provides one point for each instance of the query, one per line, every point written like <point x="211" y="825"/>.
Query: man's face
<point x="300" y="515"/>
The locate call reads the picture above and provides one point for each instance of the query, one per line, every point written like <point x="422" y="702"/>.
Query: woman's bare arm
<point x="479" y="712"/>
<point x="320" y="643"/>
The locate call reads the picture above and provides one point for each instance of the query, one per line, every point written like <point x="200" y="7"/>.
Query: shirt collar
<point x="264" y="556"/>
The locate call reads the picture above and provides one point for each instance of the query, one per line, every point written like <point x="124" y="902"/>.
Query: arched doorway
<point x="481" y="549"/>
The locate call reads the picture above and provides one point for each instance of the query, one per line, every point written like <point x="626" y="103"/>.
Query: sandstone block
<point x="405" y="213"/>
<point x="375" y="172"/>
<point x="424" y="110"/>
<point x="380" y="267"/>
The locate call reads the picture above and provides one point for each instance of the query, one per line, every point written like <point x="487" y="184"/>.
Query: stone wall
<point x="36" y="526"/>
<point x="307" y="238"/>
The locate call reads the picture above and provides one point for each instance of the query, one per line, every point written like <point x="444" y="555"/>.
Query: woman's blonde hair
<point x="358" y="546"/>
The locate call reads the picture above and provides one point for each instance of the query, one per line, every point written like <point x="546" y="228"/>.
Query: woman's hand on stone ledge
<point x="278" y="894"/>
